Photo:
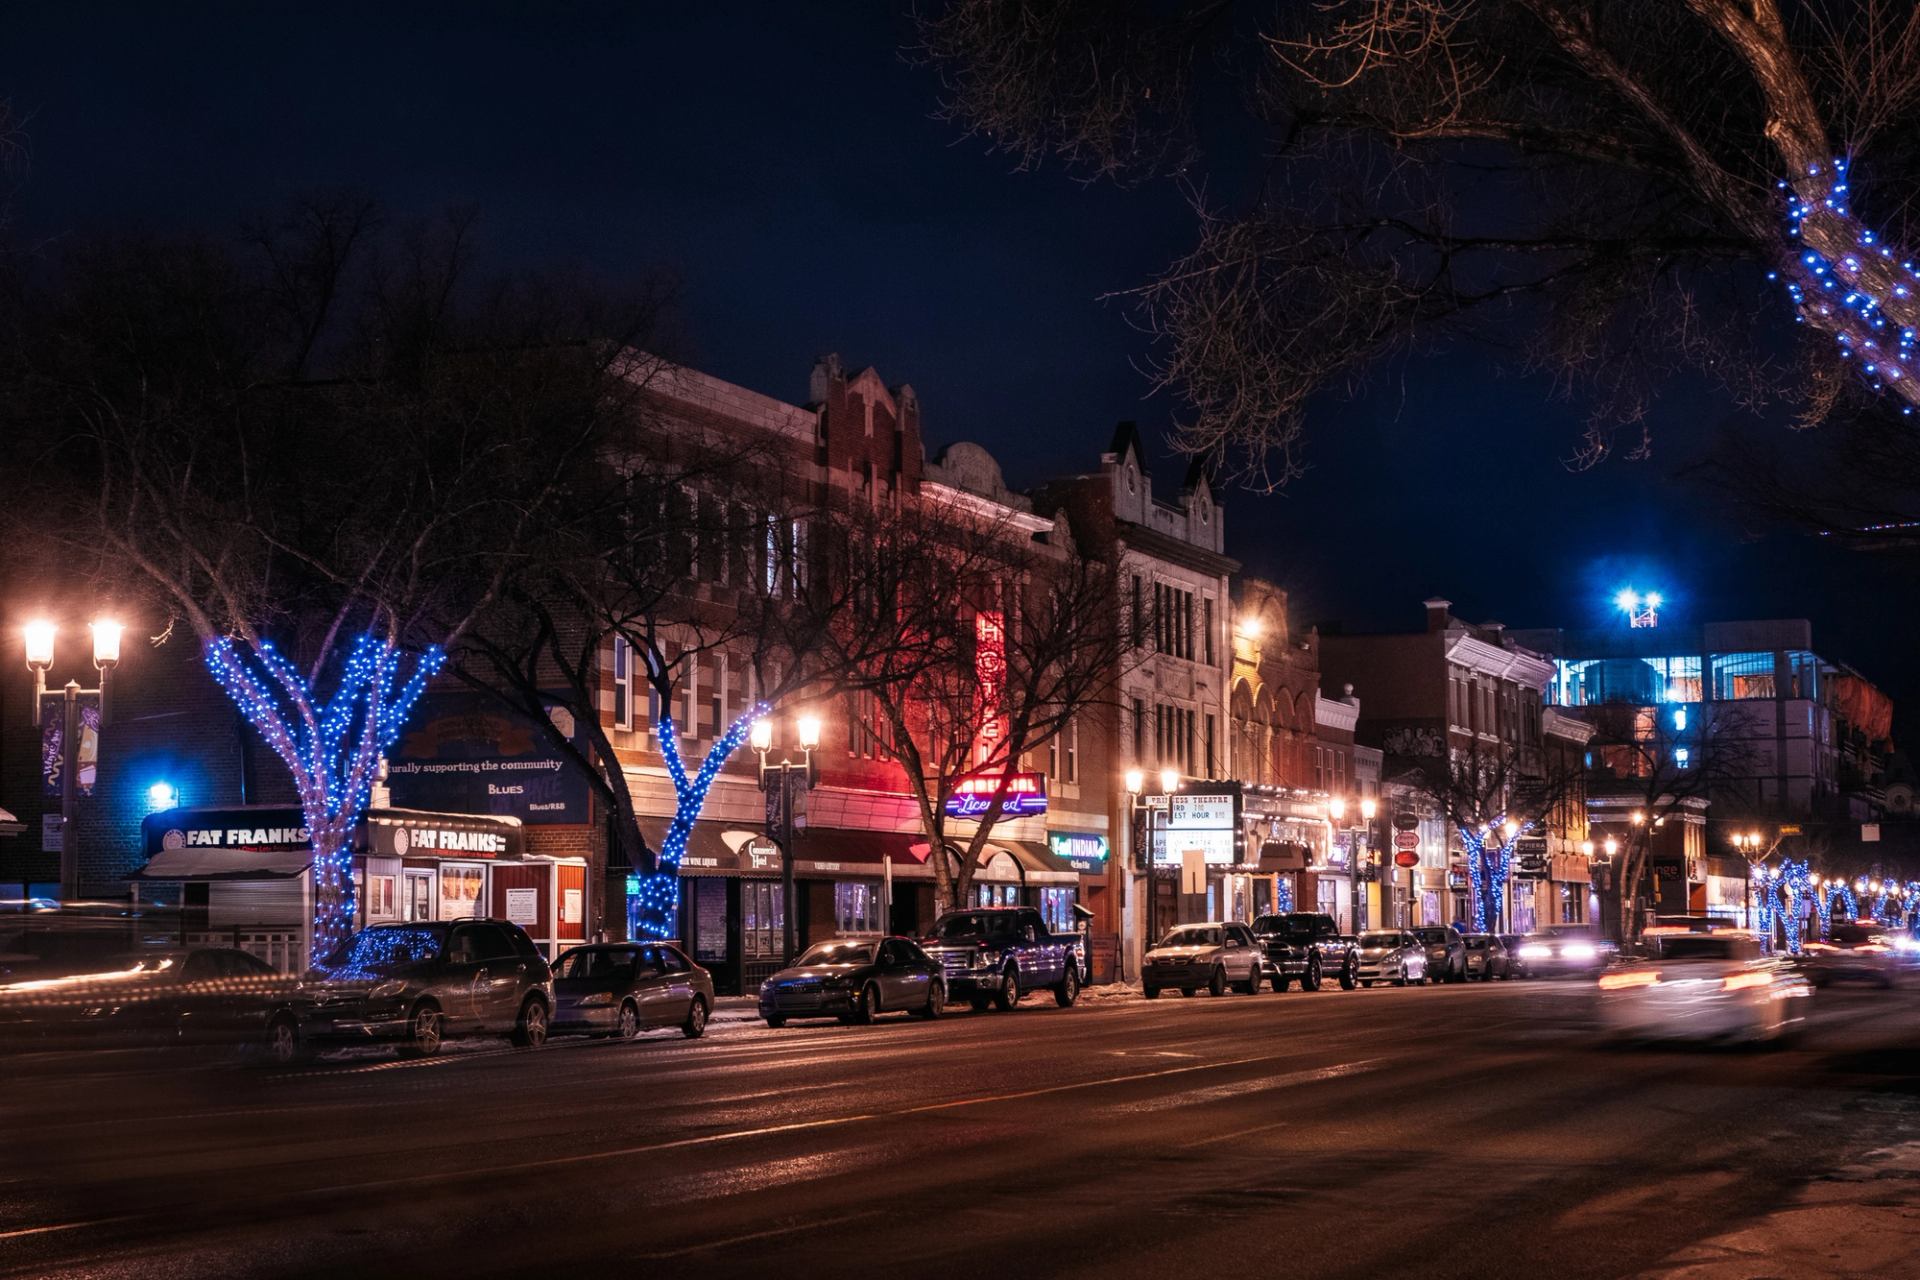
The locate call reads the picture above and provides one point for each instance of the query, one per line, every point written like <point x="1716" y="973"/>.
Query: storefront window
<point x="1056" y="908"/>
<point x="763" y="919"/>
<point x="1429" y="908"/>
<point x="996" y="895"/>
<point x="856" y="907"/>
<point x="1573" y="904"/>
<point x="1743" y="675"/>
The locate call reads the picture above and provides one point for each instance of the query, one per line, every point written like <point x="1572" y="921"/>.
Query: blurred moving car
<point x="856" y="981"/>
<point x="1392" y="955"/>
<point x="1446" y="953"/>
<point x="1703" y="986"/>
<point x="1516" y="964"/>
<point x="1486" y="957"/>
<point x="193" y="996"/>
<point x="1859" y="952"/>
<point x="415" y="985"/>
<point x="1212" y="956"/>
<point x="623" y="988"/>
<point x="1563" y="949"/>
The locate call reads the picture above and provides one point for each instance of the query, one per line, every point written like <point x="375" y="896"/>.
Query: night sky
<point x="783" y="163"/>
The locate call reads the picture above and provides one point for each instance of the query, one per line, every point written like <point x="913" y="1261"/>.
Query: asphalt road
<point x="1457" y="1131"/>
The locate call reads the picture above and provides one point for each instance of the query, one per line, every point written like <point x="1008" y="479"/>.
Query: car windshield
<point x="1703" y="946"/>
<point x="972" y="924"/>
<point x="385" y="948"/>
<point x="838" y="953"/>
<point x="1192" y="936"/>
<point x="1430" y="935"/>
<point x="1379" y="939"/>
<point x="1851" y="935"/>
<point x="1284" y="924"/>
<point x="1479" y="944"/>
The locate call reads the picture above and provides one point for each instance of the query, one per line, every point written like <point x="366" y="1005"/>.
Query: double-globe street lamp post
<point x="106" y="655"/>
<point x="1337" y="811"/>
<point x="785" y="781"/>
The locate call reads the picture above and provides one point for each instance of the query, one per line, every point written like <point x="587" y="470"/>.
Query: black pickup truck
<point x="995" y="955"/>
<point x="1308" y="946"/>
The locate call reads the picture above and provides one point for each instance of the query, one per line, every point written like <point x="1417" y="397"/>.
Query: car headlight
<point x="597" y="998"/>
<point x="392" y="989"/>
<point x="1540" y="951"/>
<point x="989" y="959"/>
<point x="1577" y="951"/>
<point x="832" y="984"/>
<point x="766" y="988"/>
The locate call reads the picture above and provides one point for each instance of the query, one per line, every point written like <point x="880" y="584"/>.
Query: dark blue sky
<point x="782" y="161"/>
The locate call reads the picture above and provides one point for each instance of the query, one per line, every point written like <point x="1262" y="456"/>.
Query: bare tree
<point x="1008" y="639"/>
<point x="322" y="451"/>
<point x="1612" y="179"/>
<point x="1660" y="765"/>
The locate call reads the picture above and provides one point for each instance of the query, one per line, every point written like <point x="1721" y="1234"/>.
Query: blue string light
<point x="332" y="749"/>
<point x="1840" y="296"/>
<point x="1489" y="863"/>
<point x="653" y="908"/>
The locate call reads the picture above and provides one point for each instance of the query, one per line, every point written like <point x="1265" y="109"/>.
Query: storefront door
<point x="418" y="903"/>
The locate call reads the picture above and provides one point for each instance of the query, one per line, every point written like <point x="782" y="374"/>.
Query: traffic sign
<point x="1406" y="821"/>
<point x="1406" y="858"/>
<point x="1406" y="840"/>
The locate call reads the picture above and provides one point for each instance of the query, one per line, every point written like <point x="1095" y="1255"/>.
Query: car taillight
<point x="1743" y="981"/>
<point x="1622" y="981"/>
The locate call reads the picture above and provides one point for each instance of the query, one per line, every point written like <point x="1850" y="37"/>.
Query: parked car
<point x="855" y="980"/>
<point x="1392" y="955"/>
<point x="1486" y="958"/>
<point x="1306" y="945"/>
<point x="417" y="985"/>
<point x="1859" y="952"/>
<point x="995" y="955"/>
<point x="623" y="988"/>
<point x="1446" y="953"/>
<point x="1210" y="956"/>
<point x="1516" y="963"/>
<point x="1563" y="949"/>
<point x="218" y="996"/>
<point x="1703" y="986"/>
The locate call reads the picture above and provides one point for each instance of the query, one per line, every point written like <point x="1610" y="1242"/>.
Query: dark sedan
<point x="414" y="985"/>
<point x="1446" y="953"/>
<point x="621" y="989"/>
<point x="1486" y="958"/>
<point x="855" y="981"/>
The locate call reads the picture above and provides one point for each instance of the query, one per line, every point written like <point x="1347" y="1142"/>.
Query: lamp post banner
<point x="53" y="720"/>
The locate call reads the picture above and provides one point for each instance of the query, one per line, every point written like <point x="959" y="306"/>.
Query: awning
<point x="724" y="849"/>
<point x="1283" y="855"/>
<point x="200" y="863"/>
<point x="1012" y="862"/>
<point x="10" y="825"/>
<point x="840" y="851"/>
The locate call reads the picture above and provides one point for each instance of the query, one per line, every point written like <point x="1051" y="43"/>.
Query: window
<point x="623" y="677"/>
<point x="1206" y="620"/>
<point x="996" y="895"/>
<point x="798" y="572"/>
<point x="1743" y="675"/>
<point x="1138" y="632"/>
<point x="383" y="896"/>
<point x="763" y="919"/>
<point x="772" y="551"/>
<point x="1056" y="908"/>
<point x="1682" y="757"/>
<point x="716" y="713"/>
<point x="1071" y="773"/>
<point x="856" y="907"/>
<point x="1212" y="759"/>
<point x="1139" y="729"/>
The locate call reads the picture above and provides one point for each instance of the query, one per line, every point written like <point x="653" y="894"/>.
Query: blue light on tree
<point x="653" y="909"/>
<point x="332" y="748"/>
<point x="1489" y="864"/>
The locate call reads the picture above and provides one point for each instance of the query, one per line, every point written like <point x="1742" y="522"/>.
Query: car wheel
<point x="1217" y="983"/>
<point x="283" y="1047"/>
<point x="629" y="1025"/>
<point x="1069" y="989"/>
<point x="1310" y="980"/>
<point x="1349" y="975"/>
<point x="775" y="1021"/>
<point x="936" y="1001"/>
<point x="425" y="1029"/>
<point x="530" y="1028"/>
<point x="1009" y="993"/>
<point x="1151" y="993"/>
<point x="1251" y="987"/>
<point x="866" y="1006"/>
<point x="696" y="1024"/>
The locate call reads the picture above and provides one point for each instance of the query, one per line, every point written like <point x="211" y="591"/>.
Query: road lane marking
<point x="727" y="1241"/>
<point x="1235" y="1092"/>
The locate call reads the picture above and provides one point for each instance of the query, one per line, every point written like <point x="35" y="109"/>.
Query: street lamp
<point x="786" y="782"/>
<point x="39" y="636"/>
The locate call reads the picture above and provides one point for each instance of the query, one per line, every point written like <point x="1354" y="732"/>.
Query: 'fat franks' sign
<point x="445" y="840"/>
